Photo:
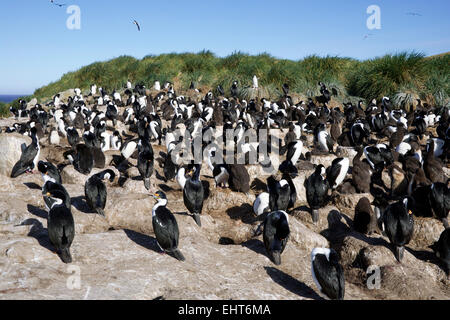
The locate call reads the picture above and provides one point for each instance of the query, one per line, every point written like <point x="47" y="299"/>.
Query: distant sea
<point x="7" y="98"/>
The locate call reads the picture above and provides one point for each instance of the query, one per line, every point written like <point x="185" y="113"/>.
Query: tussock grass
<point x="4" y="110"/>
<point x="437" y="85"/>
<point x="403" y="76"/>
<point x="386" y="75"/>
<point x="406" y="98"/>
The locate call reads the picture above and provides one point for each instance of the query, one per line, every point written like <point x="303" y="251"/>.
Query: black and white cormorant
<point x="29" y="159"/>
<point x="398" y="224"/>
<point x="72" y="136"/>
<point x="95" y="190"/>
<point x="193" y="193"/>
<point x="221" y="172"/>
<point x="234" y="89"/>
<point x="322" y="139"/>
<point x="165" y="227"/>
<point x="145" y="161"/>
<point x="83" y="160"/>
<point x="337" y="172"/>
<point x="327" y="273"/>
<point x="50" y="186"/>
<point x="60" y="225"/>
<point x="48" y="170"/>
<point x="279" y="193"/>
<point x="261" y="204"/>
<point x="275" y="230"/>
<point x="317" y="187"/>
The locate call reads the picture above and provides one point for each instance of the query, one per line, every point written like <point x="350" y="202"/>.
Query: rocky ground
<point x="117" y="257"/>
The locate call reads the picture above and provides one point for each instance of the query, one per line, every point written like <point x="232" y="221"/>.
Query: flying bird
<point x="137" y="24"/>
<point x="58" y="4"/>
<point x="413" y="14"/>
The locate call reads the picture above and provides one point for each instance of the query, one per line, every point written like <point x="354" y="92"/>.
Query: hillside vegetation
<point x="402" y="76"/>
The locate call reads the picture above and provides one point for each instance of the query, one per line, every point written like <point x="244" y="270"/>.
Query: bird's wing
<point x="193" y="199"/>
<point x="28" y="154"/>
<point x="166" y="229"/>
<point x="62" y="231"/>
<point x="330" y="142"/>
<point x="18" y="169"/>
<point x="26" y="159"/>
<point x="327" y="276"/>
<point x="137" y="24"/>
<point x="333" y="173"/>
<point x="269" y="232"/>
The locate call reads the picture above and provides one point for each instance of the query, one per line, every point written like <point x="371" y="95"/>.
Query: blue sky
<point x="37" y="48"/>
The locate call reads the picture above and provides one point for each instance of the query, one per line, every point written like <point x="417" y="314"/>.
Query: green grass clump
<point x="4" y="110"/>
<point x="386" y="75"/>
<point x="325" y="69"/>
<point x="403" y="76"/>
<point x="437" y="85"/>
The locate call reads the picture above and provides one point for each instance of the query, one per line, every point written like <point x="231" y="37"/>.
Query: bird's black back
<point x="440" y="200"/>
<point x="276" y="232"/>
<point x="316" y="191"/>
<point x="165" y="227"/>
<point x="333" y="171"/>
<point x="61" y="227"/>
<point x="95" y="192"/>
<point x="330" y="277"/>
<point x="84" y="159"/>
<point x="399" y="224"/>
<point x="193" y="196"/>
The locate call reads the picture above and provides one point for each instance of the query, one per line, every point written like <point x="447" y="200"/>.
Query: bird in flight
<point x="57" y="4"/>
<point x="137" y="24"/>
<point x="414" y="14"/>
